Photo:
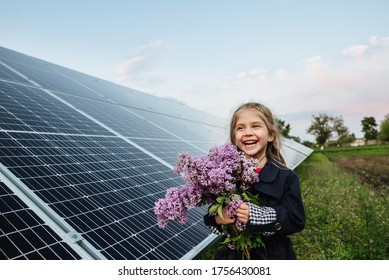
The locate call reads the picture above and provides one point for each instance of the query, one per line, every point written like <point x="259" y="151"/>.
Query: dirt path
<point x="372" y="170"/>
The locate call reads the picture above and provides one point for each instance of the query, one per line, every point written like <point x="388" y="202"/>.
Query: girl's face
<point x="251" y="134"/>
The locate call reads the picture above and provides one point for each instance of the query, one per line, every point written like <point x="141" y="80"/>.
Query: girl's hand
<point x="227" y="219"/>
<point x="243" y="213"/>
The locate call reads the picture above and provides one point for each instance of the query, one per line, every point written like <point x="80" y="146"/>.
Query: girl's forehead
<point x="249" y="115"/>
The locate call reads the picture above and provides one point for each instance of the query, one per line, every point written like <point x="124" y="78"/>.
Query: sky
<point x="299" y="58"/>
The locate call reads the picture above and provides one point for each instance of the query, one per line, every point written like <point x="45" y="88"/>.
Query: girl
<point x="254" y="131"/>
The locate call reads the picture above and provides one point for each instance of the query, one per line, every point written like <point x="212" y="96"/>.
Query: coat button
<point x="277" y="226"/>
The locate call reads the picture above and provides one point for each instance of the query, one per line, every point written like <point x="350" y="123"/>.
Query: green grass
<point x="334" y="153"/>
<point x="346" y="219"/>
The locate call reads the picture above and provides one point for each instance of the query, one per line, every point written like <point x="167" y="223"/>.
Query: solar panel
<point x="77" y="154"/>
<point x="294" y="153"/>
<point x="24" y="235"/>
<point x="89" y="158"/>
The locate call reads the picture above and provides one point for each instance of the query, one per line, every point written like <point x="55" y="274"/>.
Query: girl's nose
<point x="248" y="131"/>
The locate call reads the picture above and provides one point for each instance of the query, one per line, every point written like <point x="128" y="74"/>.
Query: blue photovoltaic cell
<point x="44" y="76"/>
<point x="168" y="150"/>
<point x="186" y="129"/>
<point x="120" y="119"/>
<point x="6" y="74"/>
<point x="31" y="109"/>
<point x="23" y="235"/>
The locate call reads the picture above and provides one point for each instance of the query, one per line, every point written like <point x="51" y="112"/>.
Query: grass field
<point x="369" y="163"/>
<point x="345" y="194"/>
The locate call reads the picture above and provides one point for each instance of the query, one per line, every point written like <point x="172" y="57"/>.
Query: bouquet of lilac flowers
<point x="222" y="179"/>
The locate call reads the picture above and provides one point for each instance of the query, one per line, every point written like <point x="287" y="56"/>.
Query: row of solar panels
<point x="83" y="161"/>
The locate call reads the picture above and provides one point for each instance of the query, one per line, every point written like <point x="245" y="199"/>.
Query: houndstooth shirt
<point x="259" y="215"/>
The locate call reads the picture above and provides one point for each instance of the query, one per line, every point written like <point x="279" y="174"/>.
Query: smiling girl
<point x="253" y="130"/>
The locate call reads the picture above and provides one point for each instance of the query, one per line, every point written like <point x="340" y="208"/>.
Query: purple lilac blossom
<point x="239" y="225"/>
<point x="232" y="206"/>
<point x="206" y="178"/>
<point x="175" y="206"/>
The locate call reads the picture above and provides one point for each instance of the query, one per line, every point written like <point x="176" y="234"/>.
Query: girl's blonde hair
<point x="273" y="148"/>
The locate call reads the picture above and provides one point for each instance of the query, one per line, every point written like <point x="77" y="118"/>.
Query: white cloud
<point x="124" y="70"/>
<point x="377" y="41"/>
<point x="151" y="47"/>
<point x="255" y="74"/>
<point x="314" y="59"/>
<point x="356" y="50"/>
<point x="132" y="68"/>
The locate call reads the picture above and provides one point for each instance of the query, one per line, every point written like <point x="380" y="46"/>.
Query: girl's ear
<point x="271" y="137"/>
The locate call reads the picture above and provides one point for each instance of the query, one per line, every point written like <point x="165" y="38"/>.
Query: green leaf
<point x="214" y="208"/>
<point x="246" y="197"/>
<point x="241" y="244"/>
<point x="236" y="238"/>
<point x="227" y="240"/>
<point x="220" y="211"/>
<point x="251" y="198"/>
<point x="220" y="199"/>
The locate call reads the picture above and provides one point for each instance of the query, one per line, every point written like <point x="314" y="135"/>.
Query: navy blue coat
<point x="278" y="188"/>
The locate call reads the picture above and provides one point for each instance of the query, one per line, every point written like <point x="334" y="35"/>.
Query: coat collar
<point x="269" y="172"/>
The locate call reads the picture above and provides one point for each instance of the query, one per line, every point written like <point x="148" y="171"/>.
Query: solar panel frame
<point x="26" y="232"/>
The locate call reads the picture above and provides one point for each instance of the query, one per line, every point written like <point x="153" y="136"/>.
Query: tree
<point x="321" y="128"/>
<point x="369" y="128"/>
<point x="308" y="144"/>
<point x="296" y="139"/>
<point x="340" y="129"/>
<point x="283" y="128"/>
<point x="347" y="139"/>
<point x="384" y="129"/>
